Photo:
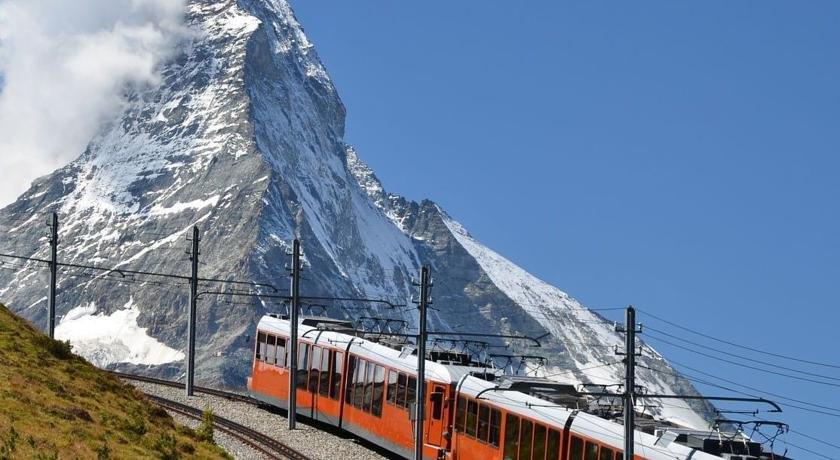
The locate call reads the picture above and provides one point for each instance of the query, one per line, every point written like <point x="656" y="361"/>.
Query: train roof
<point x="516" y="402"/>
<point x="606" y="431"/>
<point x="371" y="350"/>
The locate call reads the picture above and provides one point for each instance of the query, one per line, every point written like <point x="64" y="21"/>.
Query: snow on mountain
<point x="244" y="137"/>
<point x="581" y="343"/>
<point x="115" y="338"/>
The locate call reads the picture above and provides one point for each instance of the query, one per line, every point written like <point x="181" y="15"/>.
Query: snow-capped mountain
<point x="244" y="138"/>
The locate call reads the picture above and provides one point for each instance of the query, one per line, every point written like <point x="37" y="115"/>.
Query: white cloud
<point x="65" y="66"/>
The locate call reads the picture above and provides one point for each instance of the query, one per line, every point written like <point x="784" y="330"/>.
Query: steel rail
<point x="265" y="444"/>
<point x="209" y="391"/>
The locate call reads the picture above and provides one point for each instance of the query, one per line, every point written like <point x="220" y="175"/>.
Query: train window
<point x="327" y="363"/>
<point x="270" y="347"/>
<point x="460" y="414"/>
<point x="281" y="352"/>
<point x="314" y="369"/>
<point x="511" y="437"/>
<point x="495" y="424"/>
<point x="338" y="368"/>
<point x="359" y="391"/>
<point x="591" y="451"/>
<point x="302" y="369"/>
<point x="368" y="402"/>
<point x="472" y="416"/>
<point x="619" y="455"/>
<point x="576" y="449"/>
<point x="351" y="379"/>
<point x="539" y="442"/>
<point x="260" y="346"/>
<point x="553" y="445"/>
<point x="402" y="383"/>
<point x="525" y="446"/>
<point x="411" y="391"/>
<point x="392" y="387"/>
<point x="483" y="422"/>
<point x="437" y="404"/>
<point x="606" y="454"/>
<point x="378" y="391"/>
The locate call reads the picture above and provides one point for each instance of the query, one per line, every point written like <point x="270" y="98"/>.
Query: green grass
<point x="54" y="404"/>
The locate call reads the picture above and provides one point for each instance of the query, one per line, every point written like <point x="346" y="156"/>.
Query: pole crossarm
<point x="119" y="271"/>
<point x="467" y="334"/>
<point x="352" y="299"/>
<point x="31" y="259"/>
<point x="773" y="404"/>
<point x="534" y="340"/>
<point x="245" y="294"/>
<point x="388" y="334"/>
<point x="289" y="297"/>
<point x="123" y="272"/>
<point x="240" y="283"/>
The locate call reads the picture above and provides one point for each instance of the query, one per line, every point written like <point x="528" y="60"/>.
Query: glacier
<point x="115" y="338"/>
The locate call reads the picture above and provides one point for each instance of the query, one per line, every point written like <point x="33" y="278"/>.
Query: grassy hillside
<point x="54" y="404"/>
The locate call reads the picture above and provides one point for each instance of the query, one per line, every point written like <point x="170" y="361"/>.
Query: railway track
<point x="267" y="445"/>
<point x="205" y="390"/>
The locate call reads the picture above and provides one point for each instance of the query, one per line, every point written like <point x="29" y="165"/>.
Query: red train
<point x="366" y="388"/>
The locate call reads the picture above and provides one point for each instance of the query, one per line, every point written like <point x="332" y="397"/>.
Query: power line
<point x="809" y="450"/>
<point x="756" y="350"/>
<point x="584" y="369"/>
<point x="804" y="379"/>
<point x="704" y="382"/>
<point x="740" y="356"/>
<point x="815" y="439"/>
<point x="125" y="272"/>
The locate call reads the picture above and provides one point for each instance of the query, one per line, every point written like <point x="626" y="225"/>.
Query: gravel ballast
<point x="308" y="440"/>
<point x="233" y="446"/>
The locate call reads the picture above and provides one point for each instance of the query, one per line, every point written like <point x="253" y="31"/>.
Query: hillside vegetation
<point x="54" y="404"/>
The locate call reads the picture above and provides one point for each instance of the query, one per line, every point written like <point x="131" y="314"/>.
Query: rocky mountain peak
<point x="243" y="137"/>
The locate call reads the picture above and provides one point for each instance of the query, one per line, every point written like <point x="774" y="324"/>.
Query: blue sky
<point x="679" y="156"/>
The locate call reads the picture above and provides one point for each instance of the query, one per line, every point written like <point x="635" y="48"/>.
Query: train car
<point x="368" y="388"/>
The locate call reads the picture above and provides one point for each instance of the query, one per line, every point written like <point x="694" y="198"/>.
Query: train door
<point x="436" y="417"/>
<point x="325" y="370"/>
<point x="312" y="385"/>
<point x="304" y="398"/>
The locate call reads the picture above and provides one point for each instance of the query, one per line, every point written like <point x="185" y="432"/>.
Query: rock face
<point x="244" y="138"/>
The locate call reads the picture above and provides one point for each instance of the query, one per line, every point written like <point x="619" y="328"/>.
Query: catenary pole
<point x="53" y="225"/>
<point x="293" y="348"/>
<point x="425" y="285"/>
<point x="629" y="383"/>
<point x="194" y="253"/>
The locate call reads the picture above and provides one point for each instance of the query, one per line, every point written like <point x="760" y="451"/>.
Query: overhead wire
<point x="701" y="381"/>
<point x="135" y="281"/>
<point x="586" y="368"/>
<point x="757" y="390"/>
<point x="804" y="379"/>
<point x="812" y="438"/>
<point x="648" y="328"/>
<point x="745" y="347"/>
<point x="785" y="441"/>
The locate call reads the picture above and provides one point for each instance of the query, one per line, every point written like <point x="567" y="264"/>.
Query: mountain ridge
<point x="244" y="137"/>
